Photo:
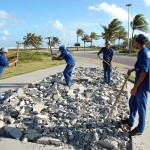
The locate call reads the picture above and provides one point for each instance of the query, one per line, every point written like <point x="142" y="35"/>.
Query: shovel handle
<point x="110" y="113"/>
<point x="106" y="62"/>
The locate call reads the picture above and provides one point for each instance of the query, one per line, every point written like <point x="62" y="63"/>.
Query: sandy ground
<point x="138" y="142"/>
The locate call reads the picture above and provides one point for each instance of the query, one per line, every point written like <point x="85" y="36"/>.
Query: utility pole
<point x="49" y="40"/>
<point x="128" y="5"/>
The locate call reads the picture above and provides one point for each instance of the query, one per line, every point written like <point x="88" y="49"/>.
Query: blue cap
<point x="62" y="47"/>
<point x="141" y="37"/>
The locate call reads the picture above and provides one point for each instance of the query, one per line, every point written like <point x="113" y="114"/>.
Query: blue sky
<point x="61" y="18"/>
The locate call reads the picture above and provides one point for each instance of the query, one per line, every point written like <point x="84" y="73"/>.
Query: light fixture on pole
<point x="128" y="5"/>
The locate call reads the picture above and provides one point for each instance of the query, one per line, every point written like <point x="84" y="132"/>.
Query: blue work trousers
<point x="107" y="72"/>
<point x="138" y="104"/>
<point x="67" y="74"/>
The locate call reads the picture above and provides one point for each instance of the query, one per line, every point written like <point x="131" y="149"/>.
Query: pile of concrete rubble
<point x="50" y="113"/>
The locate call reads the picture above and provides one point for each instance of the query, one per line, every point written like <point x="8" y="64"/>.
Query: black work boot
<point x="134" y="132"/>
<point x="126" y="121"/>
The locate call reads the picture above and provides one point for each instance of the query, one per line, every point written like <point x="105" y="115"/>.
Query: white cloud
<point x="4" y="14"/>
<point x="147" y="3"/>
<point x="6" y="33"/>
<point x="4" y="38"/>
<point x="113" y="10"/>
<point x="58" y="25"/>
<point x="7" y="19"/>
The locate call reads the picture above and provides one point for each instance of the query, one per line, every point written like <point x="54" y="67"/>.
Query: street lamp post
<point x="128" y="5"/>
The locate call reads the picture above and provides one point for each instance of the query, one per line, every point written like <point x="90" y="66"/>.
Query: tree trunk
<point x="91" y="43"/>
<point x="84" y="45"/>
<point x="118" y="43"/>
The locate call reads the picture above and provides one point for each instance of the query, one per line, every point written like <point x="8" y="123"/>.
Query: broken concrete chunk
<point x="33" y="136"/>
<point x="38" y="107"/>
<point x="106" y="144"/>
<point x="49" y="141"/>
<point x="33" y="92"/>
<point x="50" y="113"/>
<point x="20" y="93"/>
<point x="2" y="124"/>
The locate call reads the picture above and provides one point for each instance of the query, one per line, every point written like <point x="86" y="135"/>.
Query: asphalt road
<point x="126" y="60"/>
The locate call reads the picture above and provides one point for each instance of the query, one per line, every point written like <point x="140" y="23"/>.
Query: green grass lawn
<point x="127" y="54"/>
<point x="29" y="62"/>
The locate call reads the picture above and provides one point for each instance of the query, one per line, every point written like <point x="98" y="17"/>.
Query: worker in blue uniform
<point x="139" y="93"/>
<point x="108" y="54"/>
<point x="4" y="63"/>
<point x="70" y="63"/>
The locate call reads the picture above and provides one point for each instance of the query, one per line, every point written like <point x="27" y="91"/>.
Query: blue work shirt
<point x="3" y="63"/>
<point x="107" y="54"/>
<point x="67" y="57"/>
<point x="143" y="65"/>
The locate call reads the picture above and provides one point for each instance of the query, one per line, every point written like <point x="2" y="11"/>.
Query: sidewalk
<point x="21" y="80"/>
<point x="138" y="142"/>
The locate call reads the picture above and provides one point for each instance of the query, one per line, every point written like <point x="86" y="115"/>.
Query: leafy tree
<point x="86" y="38"/>
<point x="139" y="23"/>
<point x="54" y="41"/>
<point x="121" y="34"/>
<point x="111" y="30"/>
<point x="94" y="36"/>
<point x="32" y="40"/>
<point x="79" y="33"/>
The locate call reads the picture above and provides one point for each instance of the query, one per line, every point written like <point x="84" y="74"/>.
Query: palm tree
<point x="86" y="38"/>
<point x="94" y="36"/>
<point x="37" y="41"/>
<point x="79" y="32"/>
<point x="27" y="39"/>
<point x="109" y="33"/>
<point x="32" y="40"/>
<point x="139" y="23"/>
<point x="54" y="41"/>
<point x="121" y="34"/>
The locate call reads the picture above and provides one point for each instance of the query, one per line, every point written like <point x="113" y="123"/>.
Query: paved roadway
<point x="126" y="60"/>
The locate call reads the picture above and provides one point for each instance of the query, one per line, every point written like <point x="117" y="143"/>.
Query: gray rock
<point x="13" y="132"/>
<point x="49" y="141"/>
<point x="14" y="102"/>
<point x="106" y="144"/>
<point x="44" y="140"/>
<point x="33" y="92"/>
<point x="33" y="136"/>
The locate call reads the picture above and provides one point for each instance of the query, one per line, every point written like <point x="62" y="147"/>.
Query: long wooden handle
<point x="110" y="113"/>
<point x="107" y="62"/>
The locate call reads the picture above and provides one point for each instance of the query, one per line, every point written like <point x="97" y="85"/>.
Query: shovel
<point x="117" y="98"/>
<point x="107" y="63"/>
